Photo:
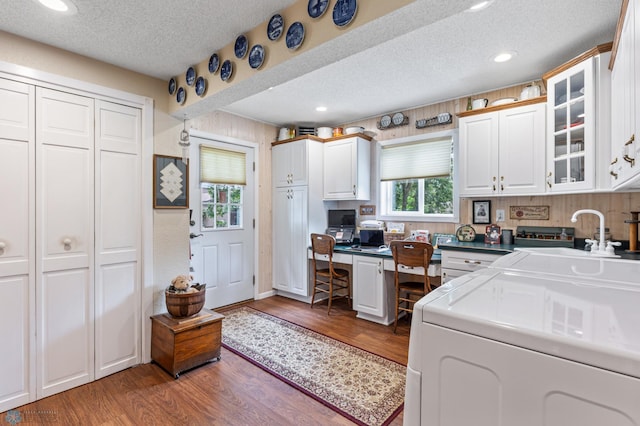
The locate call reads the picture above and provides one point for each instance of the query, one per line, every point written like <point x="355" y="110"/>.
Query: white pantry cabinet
<point x="502" y="151"/>
<point x="298" y="210"/>
<point x="70" y="240"/>
<point x="578" y="123"/>
<point x="625" y="90"/>
<point x="347" y="167"/>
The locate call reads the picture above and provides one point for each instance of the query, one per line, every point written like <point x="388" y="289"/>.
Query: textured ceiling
<point x="429" y="51"/>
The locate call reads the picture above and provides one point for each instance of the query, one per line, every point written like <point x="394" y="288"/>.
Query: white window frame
<point x="384" y="191"/>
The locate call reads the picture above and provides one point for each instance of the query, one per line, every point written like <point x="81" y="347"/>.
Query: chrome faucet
<point x="601" y="248"/>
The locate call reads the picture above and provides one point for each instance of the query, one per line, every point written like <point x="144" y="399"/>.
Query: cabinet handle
<point x="494" y="187"/>
<point x="630" y="141"/>
<point x="379" y="267"/>
<point x="629" y="160"/>
<point x="473" y="262"/>
<point x="614" y="174"/>
<point x="354" y="190"/>
<point x="2" y="246"/>
<point x="615" y="160"/>
<point x="501" y="187"/>
<point x="549" y="179"/>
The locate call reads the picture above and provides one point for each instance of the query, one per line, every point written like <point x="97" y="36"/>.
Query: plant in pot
<point x="208" y="216"/>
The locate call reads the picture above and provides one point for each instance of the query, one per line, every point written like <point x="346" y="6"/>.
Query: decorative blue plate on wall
<point x="256" y="56"/>
<point x="295" y="35"/>
<point x="344" y="11"/>
<point x="191" y="76"/>
<point x="181" y="96"/>
<point x="317" y="8"/>
<point x="201" y="86"/>
<point x="172" y="86"/>
<point x="275" y="27"/>
<point x="214" y="63"/>
<point x="241" y="46"/>
<point x="226" y="70"/>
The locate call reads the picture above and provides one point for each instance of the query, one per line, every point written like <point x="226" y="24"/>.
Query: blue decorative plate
<point x="317" y="8"/>
<point x="242" y="46"/>
<point x="226" y="70"/>
<point x="191" y="76"/>
<point x="275" y="27"/>
<point x="172" y="86"/>
<point x="214" y="63"/>
<point x="295" y="35"/>
<point x="256" y="56"/>
<point x="181" y="96"/>
<point x="344" y="11"/>
<point x="201" y="86"/>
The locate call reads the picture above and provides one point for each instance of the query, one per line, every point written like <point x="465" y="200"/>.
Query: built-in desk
<point x="373" y="281"/>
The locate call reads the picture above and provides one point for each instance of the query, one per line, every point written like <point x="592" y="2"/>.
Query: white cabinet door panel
<point x="16" y="115"/>
<point x="479" y="154"/>
<point x="118" y="127"/>
<point x="65" y="324"/>
<point x="64" y="119"/>
<point x="368" y="285"/>
<point x="340" y="168"/>
<point x="16" y="369"/>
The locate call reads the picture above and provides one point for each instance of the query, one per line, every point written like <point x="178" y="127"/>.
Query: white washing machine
<point x="533" y="340"/>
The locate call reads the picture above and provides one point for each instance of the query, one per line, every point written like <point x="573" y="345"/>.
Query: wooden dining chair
<point x="334" y="282"/>
<point x="410" y="255"/>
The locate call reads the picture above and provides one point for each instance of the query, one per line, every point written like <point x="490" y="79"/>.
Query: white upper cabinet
<point x="290" y="164"/>
<point x="578" y="117"/>
<point x="502" y="152"/>
<point x="625" y="89"/>
<point x="347" y="168"/>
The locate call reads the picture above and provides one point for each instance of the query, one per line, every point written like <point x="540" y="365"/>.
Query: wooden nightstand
<point x="178" y="344"/>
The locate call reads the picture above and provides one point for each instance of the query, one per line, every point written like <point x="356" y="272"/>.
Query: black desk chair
<point x="410" y="254"/>
<point x="331" y="281"/>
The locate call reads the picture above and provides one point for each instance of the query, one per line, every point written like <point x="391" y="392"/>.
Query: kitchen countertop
<point x="435" y="258"/>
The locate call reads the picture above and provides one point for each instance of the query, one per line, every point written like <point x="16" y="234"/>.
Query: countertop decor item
<point x="466" y="233"/>
<point x="256" y="56"/>
<point x="529" y="212"/>
<point x="362" y="386"/>
<point x="214" y="63"/>
<point x="317" y="8"/>
<point x="241" y="47"/>
<point x="344" y="11"/>
<point x="295" y="35"/>
<point x="275" y="28"/>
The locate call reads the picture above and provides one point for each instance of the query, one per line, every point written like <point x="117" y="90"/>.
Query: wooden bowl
<point x="182" y="305"/>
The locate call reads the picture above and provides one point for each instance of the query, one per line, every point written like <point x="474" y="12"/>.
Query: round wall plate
<point x="173" y="85"/>
<point x="191" y="76"/>
<point x="295" y="35"/>
<point x="214" y="63"/>
<point x="226" y="70"/>
<point x="181" y="95"/>
<point x="385" y="121"/>
<point x="317" y="8"/>
<point x="256" y="56"/>
<point x="275" y="27"/>
<point x="242" y="46"/>
<point x="398" y="118"/>
<point x="344" y="11"/>
<point x="201" y="86"/>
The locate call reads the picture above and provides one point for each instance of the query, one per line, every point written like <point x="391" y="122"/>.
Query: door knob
<point x="192" y="235"/>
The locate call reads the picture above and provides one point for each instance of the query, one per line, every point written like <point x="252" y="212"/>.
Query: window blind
<point x="423" y="159"/>
<point x="222" y="166"/>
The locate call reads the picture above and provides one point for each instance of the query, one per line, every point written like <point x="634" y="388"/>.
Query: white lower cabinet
<point x="373" y="296"/>
<point x="456" y="263"/>
<point x="69" y="254"/>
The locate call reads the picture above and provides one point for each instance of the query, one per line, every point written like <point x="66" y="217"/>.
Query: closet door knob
<point x="67" y="243"/>
<point x="2" y="246"/>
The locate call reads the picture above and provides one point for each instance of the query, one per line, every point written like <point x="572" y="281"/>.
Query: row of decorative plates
<point x="343" y="13"/>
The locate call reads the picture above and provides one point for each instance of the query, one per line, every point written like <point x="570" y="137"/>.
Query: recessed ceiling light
<point x="65" y="7"/>
<point x="321" y="108"/>
<point x="480" y="6"/>
<point x="504" y="56"/>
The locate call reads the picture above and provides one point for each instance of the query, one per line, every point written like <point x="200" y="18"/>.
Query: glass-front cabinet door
<point x="570" y="162"/>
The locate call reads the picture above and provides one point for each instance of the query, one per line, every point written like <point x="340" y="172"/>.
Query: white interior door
<point x="64" y="240"/>
<point x="222" y="250"/>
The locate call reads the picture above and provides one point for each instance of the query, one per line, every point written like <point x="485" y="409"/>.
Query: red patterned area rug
<point x="364" y="387"/>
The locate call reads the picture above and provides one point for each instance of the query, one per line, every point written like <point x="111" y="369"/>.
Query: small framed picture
<point x="170" y="183"/>
<point x="492" y="234"/>
<point x="482" y="212"/>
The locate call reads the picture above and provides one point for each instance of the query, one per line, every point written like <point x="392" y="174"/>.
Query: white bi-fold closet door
<point x="69" y="272"/>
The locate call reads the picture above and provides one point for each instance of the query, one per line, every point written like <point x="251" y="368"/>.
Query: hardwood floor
<point x="230" y="392"/>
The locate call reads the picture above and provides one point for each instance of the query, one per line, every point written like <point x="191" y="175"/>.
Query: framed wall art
<point x="170" y="183"/>
<point x="482" y="212"/>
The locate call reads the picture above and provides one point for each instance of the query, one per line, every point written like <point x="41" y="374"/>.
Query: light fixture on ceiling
<point x="480" y="6"/>
<point x="321" y="108"/>
<point x="65" y="7"/>
<point x="184" y="141"/>
<point x="504" y="56"/>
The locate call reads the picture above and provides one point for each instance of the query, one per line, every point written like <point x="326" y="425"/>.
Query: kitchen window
<point x="417" y="178"/>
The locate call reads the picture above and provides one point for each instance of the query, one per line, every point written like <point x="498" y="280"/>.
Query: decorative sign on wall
<point x="529" y="212"/>
<point x="170" y="183"/>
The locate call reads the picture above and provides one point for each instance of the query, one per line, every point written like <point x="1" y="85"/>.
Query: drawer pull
<point x="474" y="262"/>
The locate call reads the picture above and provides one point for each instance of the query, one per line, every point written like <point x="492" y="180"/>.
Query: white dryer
<point x="533" y="340"/>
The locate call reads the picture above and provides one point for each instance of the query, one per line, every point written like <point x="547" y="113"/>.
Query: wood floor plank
<point x="230" y="392"/>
